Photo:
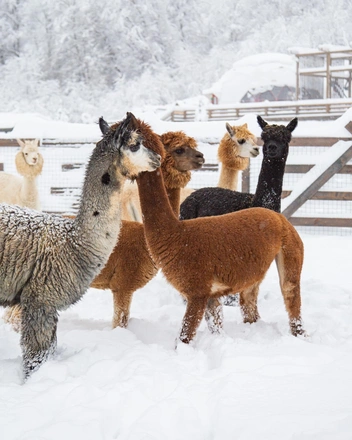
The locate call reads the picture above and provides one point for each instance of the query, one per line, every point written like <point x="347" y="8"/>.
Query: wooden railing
<point x="278" y="110"/>
<point x="315" y="193"/>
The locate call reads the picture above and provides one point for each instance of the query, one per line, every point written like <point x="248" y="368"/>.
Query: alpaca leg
<point x="214" y="315"/>
<point x="38" y="339"/>
<point x="13" y="316"/>
<point x="248" y="304"/>
<point x="290" y="274"/>
<point x="122" y="304"/>
<point x="192" y="318"/>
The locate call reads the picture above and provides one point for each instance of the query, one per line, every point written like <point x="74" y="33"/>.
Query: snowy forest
<point x="76" y="60"/>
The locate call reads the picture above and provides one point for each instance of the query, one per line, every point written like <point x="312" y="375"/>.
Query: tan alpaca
<point x="206" y="258"/>
<point x="130" y="266"/>
<point x="235" y="149"/>
<point x="23" y="191"/>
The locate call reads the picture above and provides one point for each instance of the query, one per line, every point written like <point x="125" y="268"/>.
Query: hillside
<point x="77" y="60"/>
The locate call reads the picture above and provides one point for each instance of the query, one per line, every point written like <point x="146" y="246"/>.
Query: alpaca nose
<point x="272" y="149"/>
<point x="200" y="156"/>
<point x="255" y="151"/>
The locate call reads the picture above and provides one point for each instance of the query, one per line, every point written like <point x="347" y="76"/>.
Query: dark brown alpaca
<point x="130" y="266"/>
<point x="206" y="258"/>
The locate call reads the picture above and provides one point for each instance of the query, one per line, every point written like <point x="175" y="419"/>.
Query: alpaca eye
<point x="135" y="148"/>
<point x="180" y="151"/>
<point x="241" y="141"/>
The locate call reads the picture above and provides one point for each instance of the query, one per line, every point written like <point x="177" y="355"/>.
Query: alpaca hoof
<point x="121" y="322"/>
<point x="297" y="329"/>
<point x="181" y="342"/>
<point x="250" y="318"/>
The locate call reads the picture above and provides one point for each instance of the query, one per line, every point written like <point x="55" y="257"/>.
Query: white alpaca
<point x="23" y="191"/>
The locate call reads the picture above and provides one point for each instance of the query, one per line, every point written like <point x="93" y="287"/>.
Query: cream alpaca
<point x="23" y="191"/>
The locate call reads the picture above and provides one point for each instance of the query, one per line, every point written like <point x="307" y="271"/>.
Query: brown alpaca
<point x="130" y="266"/>
<point x="235" y="148"/>
<point x="206" y="258"/>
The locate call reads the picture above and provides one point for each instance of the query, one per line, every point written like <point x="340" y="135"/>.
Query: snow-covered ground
<point x="253" y="381"/>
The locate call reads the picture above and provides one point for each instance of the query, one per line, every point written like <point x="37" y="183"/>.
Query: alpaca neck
<point x="29" y="192"/>
<point x="99" y="217"/>
<point x="156" y="208"/>
<point x="228" y="178"/>
<point x="173" y="195"/>
<point x="269" y="187"/>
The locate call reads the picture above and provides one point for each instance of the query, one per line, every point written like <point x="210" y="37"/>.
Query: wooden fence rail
<point x="273" y="110"/>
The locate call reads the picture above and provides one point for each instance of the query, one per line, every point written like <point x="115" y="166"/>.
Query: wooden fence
<point x="273" y="110"/>
<point x="341" y="166"/>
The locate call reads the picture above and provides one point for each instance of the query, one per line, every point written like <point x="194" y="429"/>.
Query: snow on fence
<point x="327" y="203"/>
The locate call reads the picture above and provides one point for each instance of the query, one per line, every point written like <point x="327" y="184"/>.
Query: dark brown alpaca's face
<point x="187" y="159"/>
<point x="275" y="149"/>
<point x="181" y="151"/>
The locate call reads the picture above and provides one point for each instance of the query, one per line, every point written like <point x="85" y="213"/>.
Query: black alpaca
<point x="207" y="202"/>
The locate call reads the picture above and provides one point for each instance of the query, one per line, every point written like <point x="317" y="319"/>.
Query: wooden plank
<point x="325" y="195"/>
<point x="67" y="190"/>
<point x="298" y="169"/>
<point x="318" y="183"/>
<point x="302" y="169"/>
<point x="312" y="141"/>
<point x="246" y="180"/>
<point x="333" y="222"/>
<point x="71" y="166"/>
<point x="349" y="127"/>
<point x="8" y="143"/>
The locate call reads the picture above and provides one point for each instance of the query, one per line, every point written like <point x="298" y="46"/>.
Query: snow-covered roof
<point x="321" y="49"/>
<point x="255" y="71"/>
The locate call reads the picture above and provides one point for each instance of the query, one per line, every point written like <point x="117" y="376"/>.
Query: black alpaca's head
<point x="276" y="138"/>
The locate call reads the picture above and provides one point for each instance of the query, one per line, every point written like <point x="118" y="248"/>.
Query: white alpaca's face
<point x="30" y="151"/>
<point x="31" y="156"/>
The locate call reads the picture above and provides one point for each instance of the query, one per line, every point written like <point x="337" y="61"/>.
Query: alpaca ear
<point x="292" y="125"/>
<point x="245" y="125"/>
<point x="36" y="141"/>
<point x="124" y="129"/>
<point x="132" y="121"/>
<point x="230" y="130"/>
<point x="104" y="126"/>
<point x="20" y="143"/>
<point x="261" y="122"/>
